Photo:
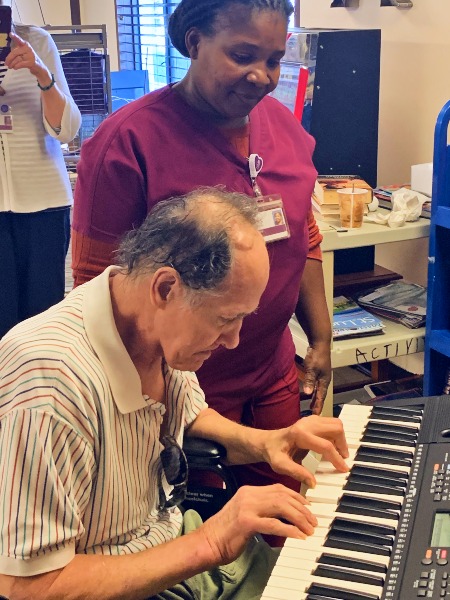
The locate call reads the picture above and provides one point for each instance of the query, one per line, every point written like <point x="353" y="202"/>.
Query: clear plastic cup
<point x="351" y="206"/>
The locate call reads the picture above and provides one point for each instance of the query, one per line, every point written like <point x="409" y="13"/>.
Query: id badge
<point x="6" y="119"/>
<point x="272" y="221"/>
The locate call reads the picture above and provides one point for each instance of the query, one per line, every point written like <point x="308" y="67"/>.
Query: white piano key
<point x="311" y="549"/>
<point x="331" y="494"/>
<point x="357" y="443"/>
<point x="384" y="438"/>
<point x="309" y="563"/>
<point x="359" y="437"/>
<point x="360" y="416"/>
<point x="352" y="426"/>
<point x="357" y="412"/>
<point x="286" y="583"/>
<point x="314" y="543"/>
<point x="302" y="572"/>
<point x="414" y="426"/>
<point x="294" y="572"/>
<point x="310" y="462"/>
<point x="327" y="468"/>
<point x="322" y="519"/>
<point x="340" y="479"/>
<point x="321" y="509"/>
<point x="275" y="593"/>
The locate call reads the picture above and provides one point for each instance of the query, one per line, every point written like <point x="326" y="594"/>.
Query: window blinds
<point x="143" y="40"/>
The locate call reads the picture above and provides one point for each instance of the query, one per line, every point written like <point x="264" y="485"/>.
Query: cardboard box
<point x="422" y="178"/>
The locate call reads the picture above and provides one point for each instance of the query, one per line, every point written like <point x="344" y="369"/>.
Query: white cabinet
<point x="396" y="340"/>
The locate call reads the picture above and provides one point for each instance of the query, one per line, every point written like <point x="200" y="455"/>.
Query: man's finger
<point x="287" y="466"/>
<point x="335" y="457"/>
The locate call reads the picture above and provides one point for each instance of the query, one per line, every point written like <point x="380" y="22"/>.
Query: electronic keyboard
<point x="383" y="528"/>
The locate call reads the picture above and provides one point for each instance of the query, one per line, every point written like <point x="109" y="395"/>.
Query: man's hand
<point x="255" y="510"/>
<point x="285" y="448"/>
<point x="317" y="365"/>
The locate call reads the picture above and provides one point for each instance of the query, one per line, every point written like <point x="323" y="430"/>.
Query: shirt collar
<point x="102" y="332"/>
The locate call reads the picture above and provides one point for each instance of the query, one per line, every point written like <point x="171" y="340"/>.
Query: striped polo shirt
<point x="79" y="443"/>
<point x="3" y="70"/>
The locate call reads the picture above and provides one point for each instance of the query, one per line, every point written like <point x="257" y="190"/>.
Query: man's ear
<point x="192" y="40"/>
<point x="165" y="285"/>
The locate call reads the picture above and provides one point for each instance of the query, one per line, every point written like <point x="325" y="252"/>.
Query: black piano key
<point x="360" y="484"/>
<point x="381" y="439"/>
<point x="317" y="590"/>
<point x="368" y="527"/>
<point x="338" y="541"/>
<point x="407" y="432"/>
<point x="377" y="480"/>
<point x="371" y="502"/>
<point x="394" y="426"/>
<point x="379" y="472"/>
<point x="355" y="509"/>
<point x="316" y="597"/>
<point x="372" y="507"/>
<point x="391" y="415"/>
<point x="351" y="563"/>
<point x="385" y="456"/>
<point x="359" y="536"/>
<point x="348" y="575"/>
<point x="404" y="410"/>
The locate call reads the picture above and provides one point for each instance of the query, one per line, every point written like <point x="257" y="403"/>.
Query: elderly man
<point x="96" y="395"/>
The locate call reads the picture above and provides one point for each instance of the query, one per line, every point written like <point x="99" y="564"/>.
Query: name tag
<point x="272" y="220"/>
<point x="6" y="120"/>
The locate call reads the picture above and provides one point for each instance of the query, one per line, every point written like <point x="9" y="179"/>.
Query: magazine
<point x="403" y="302"/>
<point x="350" y="320"/>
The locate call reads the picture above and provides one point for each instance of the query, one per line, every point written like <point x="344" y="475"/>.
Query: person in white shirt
<point x="37" y="114"/>
<point x="96" y="394"/>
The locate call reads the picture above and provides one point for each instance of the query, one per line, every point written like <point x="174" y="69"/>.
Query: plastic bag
<point x="406" y="206"/>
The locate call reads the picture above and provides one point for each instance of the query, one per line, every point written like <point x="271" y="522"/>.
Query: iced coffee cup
<point x="351" y="206"/>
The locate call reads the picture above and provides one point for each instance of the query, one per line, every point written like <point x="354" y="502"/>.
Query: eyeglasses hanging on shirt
<point x="174" y="474"/>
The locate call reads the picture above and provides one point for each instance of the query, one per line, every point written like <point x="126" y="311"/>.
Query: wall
<point x="57" y="12"/>
<point x="414" y="86"/>
<point x="414" y="82"/>
<point x="102" y="12"/>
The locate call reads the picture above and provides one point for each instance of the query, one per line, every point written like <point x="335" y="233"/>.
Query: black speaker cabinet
<point x="337" y="98"/>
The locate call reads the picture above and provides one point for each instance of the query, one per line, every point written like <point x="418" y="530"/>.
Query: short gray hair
<point x="182" y="233"/>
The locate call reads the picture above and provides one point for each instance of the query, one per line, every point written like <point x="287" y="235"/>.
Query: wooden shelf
<point x="397" y="340"/>
<point x="350" y="283"/>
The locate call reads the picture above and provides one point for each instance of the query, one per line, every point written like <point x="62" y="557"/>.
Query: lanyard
<point x="255" y="164"/>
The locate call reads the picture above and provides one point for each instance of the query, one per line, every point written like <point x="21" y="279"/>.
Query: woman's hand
<point x="22" y="56"/>
<point x="317" y="365"/>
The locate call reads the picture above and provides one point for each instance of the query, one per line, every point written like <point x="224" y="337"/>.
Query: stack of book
<point x="325" y="198"/>
<point x="399" y="301"/>
<point x="350" y="320"/>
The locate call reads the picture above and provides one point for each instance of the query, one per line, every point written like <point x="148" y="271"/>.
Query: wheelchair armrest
<point x="203" y="452"/>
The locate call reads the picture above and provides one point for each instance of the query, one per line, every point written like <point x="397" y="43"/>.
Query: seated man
<point x="96" y="395"/>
